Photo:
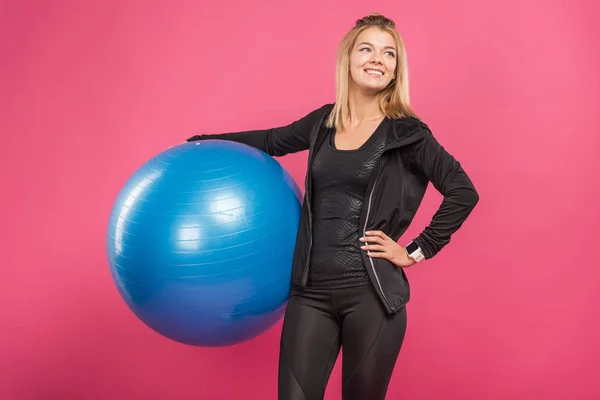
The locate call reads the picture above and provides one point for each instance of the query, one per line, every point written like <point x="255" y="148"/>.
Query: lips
<point x="374" y="72"/>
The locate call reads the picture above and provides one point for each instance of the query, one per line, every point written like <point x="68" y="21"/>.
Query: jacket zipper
<point x="308" y="184"/>
<point x="364" y="233"/>
<point x="306" y="265"/>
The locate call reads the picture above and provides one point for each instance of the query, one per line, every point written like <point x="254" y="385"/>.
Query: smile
<point x="374" y="72"/>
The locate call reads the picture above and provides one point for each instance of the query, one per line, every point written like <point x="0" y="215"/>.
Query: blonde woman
<point x="370" y="160"/>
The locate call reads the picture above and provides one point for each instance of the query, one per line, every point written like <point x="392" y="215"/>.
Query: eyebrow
<point x="370" y="44"/>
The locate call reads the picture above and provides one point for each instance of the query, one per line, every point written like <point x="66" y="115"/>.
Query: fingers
<point x="373" y="239"/>
<point x="374" y="235"/>
<point x="374" y="247"/>
<point x="377" y="247"/>
<point x="378" y="255"/>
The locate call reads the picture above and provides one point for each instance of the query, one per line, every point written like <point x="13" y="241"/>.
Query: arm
<point x="448" y="177"/>
<point x="275" y="141"/>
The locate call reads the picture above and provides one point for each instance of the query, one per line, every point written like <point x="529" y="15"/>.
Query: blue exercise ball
<point x="200" y="242"/>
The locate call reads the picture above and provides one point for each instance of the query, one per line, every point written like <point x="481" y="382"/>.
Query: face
<point x="373" y="60"/>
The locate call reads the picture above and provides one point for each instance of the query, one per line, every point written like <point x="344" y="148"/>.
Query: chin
<point x="371" y="88"/>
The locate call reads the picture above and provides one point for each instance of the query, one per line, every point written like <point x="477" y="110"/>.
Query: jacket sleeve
<point x="276" y="142"/>
<point x="449" y="178"/>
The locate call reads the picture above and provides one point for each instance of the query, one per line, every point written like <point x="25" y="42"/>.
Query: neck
<point x="363" y="106"/>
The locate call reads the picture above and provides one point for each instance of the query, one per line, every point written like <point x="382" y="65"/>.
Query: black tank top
<point x="340" y="179"/>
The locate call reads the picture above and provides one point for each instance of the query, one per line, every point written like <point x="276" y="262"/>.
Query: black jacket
<point x="411" y="159"/>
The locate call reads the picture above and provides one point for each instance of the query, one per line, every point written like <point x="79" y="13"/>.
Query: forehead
<point x="377" y="37"/>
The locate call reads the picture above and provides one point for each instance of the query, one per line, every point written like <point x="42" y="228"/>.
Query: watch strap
<point x="415" y="252"/>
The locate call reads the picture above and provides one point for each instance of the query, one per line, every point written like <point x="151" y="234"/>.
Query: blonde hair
<point x="394" y="100"/>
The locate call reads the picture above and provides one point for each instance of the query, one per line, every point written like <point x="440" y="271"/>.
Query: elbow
<point x="472" y="197"/>
<point x="469" y="199"/>
<point x="463" y="196"/>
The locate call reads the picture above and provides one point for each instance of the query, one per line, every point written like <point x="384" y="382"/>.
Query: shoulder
<point x="326" y="109"/>
<point x="410" y="128"/>
<point x="408" y="125"/>
<point x="317" y="114"/>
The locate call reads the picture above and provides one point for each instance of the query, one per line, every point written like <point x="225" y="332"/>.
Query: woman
<point x="370" y="161"/>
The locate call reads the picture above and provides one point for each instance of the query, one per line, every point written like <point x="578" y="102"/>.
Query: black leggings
<point x="318" y="322"/>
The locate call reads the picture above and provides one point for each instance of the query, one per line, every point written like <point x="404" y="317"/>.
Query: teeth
<point x="374" y="72"/>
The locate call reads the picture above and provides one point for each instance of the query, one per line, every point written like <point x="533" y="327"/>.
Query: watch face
<point x="412" y="247"/>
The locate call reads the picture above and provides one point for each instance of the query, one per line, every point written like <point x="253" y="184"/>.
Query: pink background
<point x="90" y="90"/>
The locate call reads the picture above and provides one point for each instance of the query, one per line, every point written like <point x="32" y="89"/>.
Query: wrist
<point x="414" y="252"/>
<point x="194" y="138"/>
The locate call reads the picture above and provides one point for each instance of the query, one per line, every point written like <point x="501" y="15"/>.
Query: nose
<point x="375" y="59"/>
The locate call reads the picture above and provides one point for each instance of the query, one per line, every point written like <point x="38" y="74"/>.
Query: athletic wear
<point x="370" y="319"/>
<point x="410" y="160"/>
<point x="340" y="178"/>
<point x="317" y="321"/>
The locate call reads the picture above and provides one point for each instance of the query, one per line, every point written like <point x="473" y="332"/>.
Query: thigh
<point x="310" y="343"/>
<point x="371" y="342"/>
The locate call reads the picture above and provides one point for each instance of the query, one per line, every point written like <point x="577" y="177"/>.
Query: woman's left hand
<point x="382" y="246"/>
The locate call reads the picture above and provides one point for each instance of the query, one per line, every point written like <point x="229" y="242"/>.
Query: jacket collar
<point x="404" y="131"/>
<point x="400" y="132"/>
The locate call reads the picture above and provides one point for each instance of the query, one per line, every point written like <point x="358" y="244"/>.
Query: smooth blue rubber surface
<point x="200" y="242"/>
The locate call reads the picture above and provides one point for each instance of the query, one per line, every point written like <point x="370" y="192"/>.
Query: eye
<point x="365" y="48"/>
<point x="391" y="53"/>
